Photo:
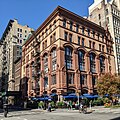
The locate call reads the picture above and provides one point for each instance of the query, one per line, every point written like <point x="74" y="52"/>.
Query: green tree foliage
<point x="108" y="84"/>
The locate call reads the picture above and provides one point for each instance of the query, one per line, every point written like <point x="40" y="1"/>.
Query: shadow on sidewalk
<point x="118" y="118"/>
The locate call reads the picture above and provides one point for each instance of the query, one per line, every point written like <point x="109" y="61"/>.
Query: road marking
<point x="25" y="119"/>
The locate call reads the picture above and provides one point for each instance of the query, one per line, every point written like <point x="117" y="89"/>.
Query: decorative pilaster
<point x="41" y="78"/>
<point x="49" y="72"/>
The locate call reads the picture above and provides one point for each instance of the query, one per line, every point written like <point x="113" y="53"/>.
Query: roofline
<point x="4" y="34"/>
<point x="62" y="11"/>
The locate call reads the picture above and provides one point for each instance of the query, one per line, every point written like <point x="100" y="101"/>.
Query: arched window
<point x="54" y="59"/>
<point x="68" y="57"/>
<point x="92" y="63"/>
<point x="81" y="60"/>
<point x="45" y="63"/>
<point x="102" y="64"/>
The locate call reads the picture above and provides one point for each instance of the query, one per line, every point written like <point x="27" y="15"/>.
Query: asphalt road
<point x="60" y="115"/>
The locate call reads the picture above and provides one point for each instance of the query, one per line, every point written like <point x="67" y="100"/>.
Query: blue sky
<point x="34" y="12"/>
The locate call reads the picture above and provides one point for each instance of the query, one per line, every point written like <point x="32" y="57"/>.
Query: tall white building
<point x="12" y="40"/>
<point x="106" y="13"/>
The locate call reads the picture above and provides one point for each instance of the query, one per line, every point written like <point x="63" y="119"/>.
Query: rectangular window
<point x="99" y="47"/>
<point x="107" y="19"/>
<point x="71" y="25"/>
<point x="83" y="40"/>
<point x="99" y="16"/>
<point x="88" y="32"/>
<point x="70" y="38"/>
<point x="53" y="79"/>
<point x="20" y="41"/>
<point x="69" y="64"/>
<point x="17" y="40"/>
<point x="94" y="80"/>
<point x="93" y="45"/>
<point x="54" y="36"/>
<point x="20" y="35"/>
<point x="102" y="38"/>
<point x="78" y="40"/>
<point x="46" y="32"/>
<point x="64" y="23"/>
<point x="83" y="30"/>
<point x="65" y="36"/>
<point x="83" y="79"/>
<point x="71" y="78"/>
<point x="77" y="27"/>
<point x="54" y="65"/>
<point x="106" y="11"/>
<point x="103" y="48"/>
<point x="98" y="36"/>
<point x="89" y="44"/>
<point x="51" y="39"/>
<point x="20" y="30"/>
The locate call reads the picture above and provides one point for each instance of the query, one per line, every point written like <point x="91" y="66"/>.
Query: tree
<point x="108" y="84"/>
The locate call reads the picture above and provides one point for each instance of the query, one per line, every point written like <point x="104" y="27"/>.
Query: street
<point x="61" y="114"/>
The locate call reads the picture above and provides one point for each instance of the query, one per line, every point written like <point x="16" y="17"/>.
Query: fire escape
<point x="36" y="65"/>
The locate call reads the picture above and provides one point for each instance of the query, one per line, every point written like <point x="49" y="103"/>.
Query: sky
<point x="34" y="12"/>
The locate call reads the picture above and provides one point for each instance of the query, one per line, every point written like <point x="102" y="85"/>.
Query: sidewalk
<point x="102" y="109"/>
<point x="92" y="109"/>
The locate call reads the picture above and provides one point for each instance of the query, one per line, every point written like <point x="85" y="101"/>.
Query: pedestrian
<point x="49" y="107"/>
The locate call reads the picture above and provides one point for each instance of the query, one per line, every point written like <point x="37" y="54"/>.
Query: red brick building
<point x="67" y="53"/>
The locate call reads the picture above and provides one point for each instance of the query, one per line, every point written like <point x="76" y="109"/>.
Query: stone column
<point x="87" y="67"/>
<point x="97" y="61"/>
<point x="89" y="83"/>
<point x="75" y="67"/>
<point x="106" y="65"/>
<point x="61" y="80"/>
<point x="49" y="73"/>
<point x="87" y="62"/>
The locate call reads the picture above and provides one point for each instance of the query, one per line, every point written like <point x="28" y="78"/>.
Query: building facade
<point x="106" y="13"/>
<point x="1" y="65"/>
<point x="66" y="54"/>
<point x="12" y="40"/>
<point x="17" y="76"/>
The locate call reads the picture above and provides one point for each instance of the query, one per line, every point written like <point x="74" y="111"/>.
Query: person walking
<point x="49" y="107"/>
